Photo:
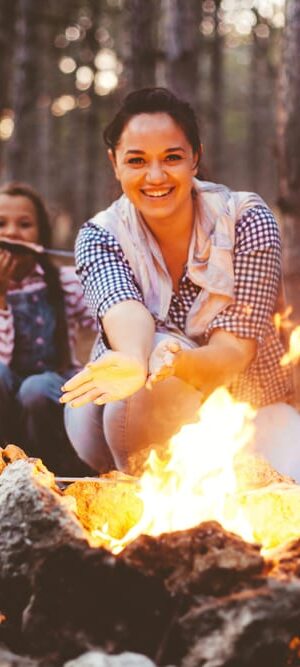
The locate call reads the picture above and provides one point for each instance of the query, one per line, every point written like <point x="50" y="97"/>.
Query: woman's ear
<point x="112" y="159"/>
<point x="197" y="158"/>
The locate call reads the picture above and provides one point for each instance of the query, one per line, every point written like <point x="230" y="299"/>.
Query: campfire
<point x="204" y="475"/>
<point x="194" y="563"/>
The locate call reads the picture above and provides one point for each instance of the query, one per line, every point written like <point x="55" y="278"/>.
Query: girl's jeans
<point x="32" y="417"/>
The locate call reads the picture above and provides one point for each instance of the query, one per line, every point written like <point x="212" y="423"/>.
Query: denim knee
<point x="6" y="378"/>
<point x="32" y="391"/>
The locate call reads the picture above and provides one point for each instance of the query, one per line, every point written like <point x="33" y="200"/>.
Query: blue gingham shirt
<point x="108" y="279"/>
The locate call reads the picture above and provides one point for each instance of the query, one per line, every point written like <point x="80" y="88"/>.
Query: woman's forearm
<point x="130" y="328"/>
<point x="217" y="363"/>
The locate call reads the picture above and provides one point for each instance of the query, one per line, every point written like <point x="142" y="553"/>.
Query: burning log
<point x="98" y="504"/>
<point x="10" y="454"/>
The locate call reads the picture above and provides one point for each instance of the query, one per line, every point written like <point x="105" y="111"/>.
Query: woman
<point x="182" y="276"/>
<point x="40" y="309"/>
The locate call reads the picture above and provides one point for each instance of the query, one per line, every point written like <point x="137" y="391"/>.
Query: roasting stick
<point x="24" y="247"/>
<point x="100" y="480"/>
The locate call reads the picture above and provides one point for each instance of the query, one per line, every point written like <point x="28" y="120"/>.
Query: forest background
<point x="65" y="65"/>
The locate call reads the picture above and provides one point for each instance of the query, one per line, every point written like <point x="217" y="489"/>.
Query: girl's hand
<point x="161" y="362"/>
<point x="113" y="377"/>
<point x="8" y="263"/>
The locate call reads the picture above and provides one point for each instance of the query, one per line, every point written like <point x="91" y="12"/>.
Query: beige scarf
<point x="210" y="257"/>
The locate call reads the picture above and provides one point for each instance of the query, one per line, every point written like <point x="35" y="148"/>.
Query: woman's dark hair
<point x="154" y="100"/>
<point x="55" y="292"/>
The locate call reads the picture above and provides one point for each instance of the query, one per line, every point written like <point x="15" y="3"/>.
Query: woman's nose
<point x="155" y="172"/>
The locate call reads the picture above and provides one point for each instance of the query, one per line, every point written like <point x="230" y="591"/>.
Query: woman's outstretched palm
<point x="113" y="377"/>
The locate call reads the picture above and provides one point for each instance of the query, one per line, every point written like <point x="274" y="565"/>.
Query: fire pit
<point x="165" y="566"/>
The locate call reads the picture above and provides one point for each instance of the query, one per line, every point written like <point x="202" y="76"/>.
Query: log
<point x="202" y="559"/>
<point x="252" y="628"/>
<point x="59" y="594"/>
<point x="112" y="503"/>
<point x="200" y="597"/>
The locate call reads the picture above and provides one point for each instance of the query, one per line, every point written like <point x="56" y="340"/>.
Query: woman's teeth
<point x="157" y="193"/>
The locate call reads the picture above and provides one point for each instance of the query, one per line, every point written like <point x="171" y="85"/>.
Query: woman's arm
<point x="215" y="364"/>
<point x="129" y="328"/>
<point x="115" y="300"/>
<point x="235" y="334"/>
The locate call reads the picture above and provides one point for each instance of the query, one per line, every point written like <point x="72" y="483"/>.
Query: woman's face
<point x="18" y="222"/>
<point x="155" y="165"/>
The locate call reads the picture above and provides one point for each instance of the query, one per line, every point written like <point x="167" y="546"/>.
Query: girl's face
<point x="155" y="165"/>
<point x="18" y="222"/>
<point x="18" y="218"/>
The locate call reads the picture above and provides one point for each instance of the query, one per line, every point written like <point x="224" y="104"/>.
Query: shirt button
<point x="34" y="298"/>
<point x="39" y="319"/>
<point x="39" y="340"/>
<point x="40" y="364"/>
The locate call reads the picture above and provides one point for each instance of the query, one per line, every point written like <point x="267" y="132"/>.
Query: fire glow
<point x="196" y="481"/>
<point x="208" y="473"/>
<point x="293" y="354"/>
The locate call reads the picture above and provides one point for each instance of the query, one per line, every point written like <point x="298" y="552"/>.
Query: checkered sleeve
<point x="257" y="267"/>
<point x="103" y="270"/>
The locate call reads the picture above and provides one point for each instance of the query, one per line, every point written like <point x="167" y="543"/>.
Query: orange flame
<point x="196" y="480"/>
<point x="293" y="354"/>
<point x="283" y="320"/>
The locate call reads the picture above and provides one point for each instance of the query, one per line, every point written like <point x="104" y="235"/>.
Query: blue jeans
<point x="32" y="417"/>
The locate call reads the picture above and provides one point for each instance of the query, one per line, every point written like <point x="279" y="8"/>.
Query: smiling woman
<point x="182" y="276"/>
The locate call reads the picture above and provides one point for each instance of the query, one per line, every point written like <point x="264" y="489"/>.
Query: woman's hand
<point x="113" y="377"/>
<point x="161" y="362"/>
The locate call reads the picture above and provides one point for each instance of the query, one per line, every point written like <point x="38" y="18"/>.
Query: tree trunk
<point x="288" y="120"/>
<point x="25" y="91"/>
<point x="217" y="101"/>
<point x="181" y="46"/>
<point x="7" y="19"/>
<point x="141" y="42"/>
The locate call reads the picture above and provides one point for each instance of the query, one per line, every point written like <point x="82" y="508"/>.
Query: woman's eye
<point x="2" y="223"/>
<point x="173" y="157"/>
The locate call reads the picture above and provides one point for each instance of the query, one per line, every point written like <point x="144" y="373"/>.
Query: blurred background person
<point x="41" y="308"/>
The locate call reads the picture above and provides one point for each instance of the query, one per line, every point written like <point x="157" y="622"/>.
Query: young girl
<point x="183" y="277"/>
<point x="40" y="309"/>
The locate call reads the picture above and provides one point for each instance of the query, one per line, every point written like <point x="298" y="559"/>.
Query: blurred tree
<point x="289" y="150"/>
<point x="7" y="20"/>
<point x="65" y="65"/>
<point x="181" y="44"/>
<point x="217" y="94"/>
<point x="140" y="49"/>
<point x="25" y="89"/>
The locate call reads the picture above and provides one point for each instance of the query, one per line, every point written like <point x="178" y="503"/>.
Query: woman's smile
<point x="158" y="194"/>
